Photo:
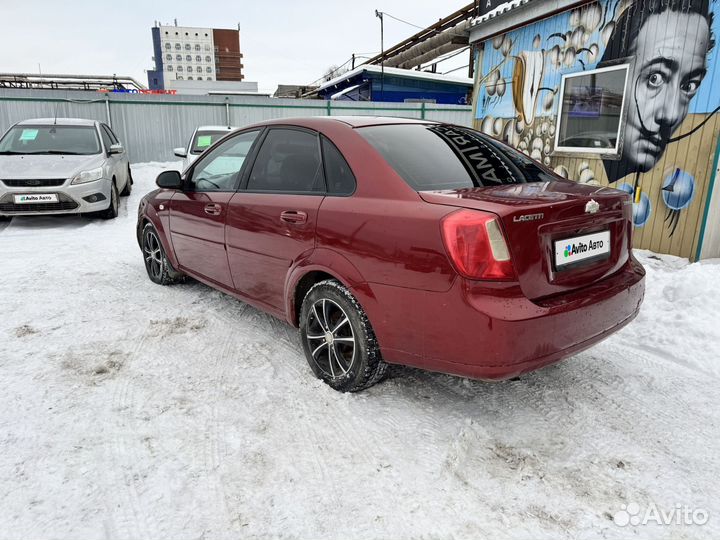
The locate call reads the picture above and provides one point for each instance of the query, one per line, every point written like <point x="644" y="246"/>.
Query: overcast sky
<point x="282" y="41"/>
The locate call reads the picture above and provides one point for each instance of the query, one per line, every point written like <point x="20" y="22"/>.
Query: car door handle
<point x="293" y="216"/>
<point x="213" y="209"/>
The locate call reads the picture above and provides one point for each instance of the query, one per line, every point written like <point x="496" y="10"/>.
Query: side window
<point x="110" y="133"/>
<point x="288" y="161"/>
<point x="340" y="179"/>
<point x="107" y="141"/>
<point x="218" y="170"/>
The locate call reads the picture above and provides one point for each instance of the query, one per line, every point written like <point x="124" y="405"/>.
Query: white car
<point x="62" y="166"/>
<point x="202" y="138"/>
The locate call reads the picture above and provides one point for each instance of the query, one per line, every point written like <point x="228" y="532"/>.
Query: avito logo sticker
<point x="571" y="250"/>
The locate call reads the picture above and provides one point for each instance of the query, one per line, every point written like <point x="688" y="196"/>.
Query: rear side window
<point x="288" y="161"/>
<point x="338" y="176"/>
<point x="436" y="156"/>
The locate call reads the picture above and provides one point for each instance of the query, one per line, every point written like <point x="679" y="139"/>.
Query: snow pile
<point x="130" y="410"/>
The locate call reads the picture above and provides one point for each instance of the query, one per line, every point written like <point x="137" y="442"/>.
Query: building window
<point x="208" y="47"/>
<point x="178" y="57"/>
<point x="189" y="68"/>
<point x="198" y="58"/>
<point x="188" y="58"/>
<point x="168" y="46"/>
<point x="179" y="68"/>
<point x="190" y="78"/>
<point x="187" y="46"/>
<point x="178" y="46"/>
<point x="591" y="111"/>
<point x="208" y="59"/>
<point x="179" y="78"/>
<point x="168" y="57"/>
<point x="169" y="68"/>
<point x="197" y="46"/>
<point x="208" y="69"/>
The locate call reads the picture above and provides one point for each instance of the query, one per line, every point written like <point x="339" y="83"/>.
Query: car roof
<point x="217" y="128"/>
<point x="57" y="121"/>
<point x="352" y="121"/>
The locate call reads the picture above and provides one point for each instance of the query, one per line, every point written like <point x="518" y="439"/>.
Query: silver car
<point x="62" y="166"/>
<point x="202" y="138"/>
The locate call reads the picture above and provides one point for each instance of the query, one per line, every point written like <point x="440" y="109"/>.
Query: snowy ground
<point x="132" y="411"/>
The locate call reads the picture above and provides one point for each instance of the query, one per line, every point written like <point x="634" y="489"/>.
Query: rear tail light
<point x="476" y="245"/>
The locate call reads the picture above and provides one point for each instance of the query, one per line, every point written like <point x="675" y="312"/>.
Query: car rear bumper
<point x="492" y="332"/>
<point x="71" y="199"/>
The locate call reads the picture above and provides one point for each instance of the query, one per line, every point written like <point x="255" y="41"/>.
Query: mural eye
<point x="690" y="87"/>
<point x="656" y="79"/>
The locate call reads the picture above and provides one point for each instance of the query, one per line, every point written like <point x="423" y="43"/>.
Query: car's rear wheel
<point x="128" y="185"/>
<point x="5" y="218"/>
<point x="158" y="267"/>
<point x="338" y="340"/>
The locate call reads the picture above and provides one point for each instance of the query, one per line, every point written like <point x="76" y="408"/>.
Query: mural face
<point x="658" y="128"/>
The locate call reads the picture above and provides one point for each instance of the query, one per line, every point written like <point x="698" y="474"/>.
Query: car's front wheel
<point x="158" y="267"/>
<point x="112" y="209"/>
<point x="338" y="340"/>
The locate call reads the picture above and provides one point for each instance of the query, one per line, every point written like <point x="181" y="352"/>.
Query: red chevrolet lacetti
<point x="399" y="241"/>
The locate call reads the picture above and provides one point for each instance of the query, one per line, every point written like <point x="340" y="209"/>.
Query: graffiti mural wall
<point x="616" y="92"/>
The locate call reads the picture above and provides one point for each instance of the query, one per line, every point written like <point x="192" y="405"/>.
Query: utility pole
<point x="353" y="61"/>
<point x="379" y="14"/>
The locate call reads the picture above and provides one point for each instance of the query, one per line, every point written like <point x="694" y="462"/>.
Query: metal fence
<point x="150" y="126"/>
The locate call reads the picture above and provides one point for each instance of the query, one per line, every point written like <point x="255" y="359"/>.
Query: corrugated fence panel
<point x="150" y="126"/>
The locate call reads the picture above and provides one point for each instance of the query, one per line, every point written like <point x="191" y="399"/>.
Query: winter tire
<point x="112" y="209"/>
<point x="128" y="185"/>
<point x="158" y="268"/>
<point x="338" y="340"/>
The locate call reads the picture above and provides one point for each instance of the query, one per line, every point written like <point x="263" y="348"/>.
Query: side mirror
<point x="169" y="180"/>
<point x="180" y="152"/>
<point x="116" y="149"/>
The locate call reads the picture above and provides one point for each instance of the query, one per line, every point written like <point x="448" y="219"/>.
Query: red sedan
<point x="399" y="241"/>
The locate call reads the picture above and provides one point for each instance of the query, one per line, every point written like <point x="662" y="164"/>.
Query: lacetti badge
<point x="528" y="217"/>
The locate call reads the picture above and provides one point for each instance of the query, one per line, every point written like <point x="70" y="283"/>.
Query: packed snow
<point x="130" y="411"/>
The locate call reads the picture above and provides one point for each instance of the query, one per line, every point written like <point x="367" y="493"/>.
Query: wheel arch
<point x="319" y="265"/>
<point x="150" y="216"/>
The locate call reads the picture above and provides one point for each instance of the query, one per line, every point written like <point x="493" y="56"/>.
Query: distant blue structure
<point x="367" y="83"/>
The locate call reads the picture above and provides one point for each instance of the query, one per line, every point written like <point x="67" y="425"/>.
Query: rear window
<point x="204" y="139"/>
<point x="436" y="157"/>
<point x="30" y="139"/>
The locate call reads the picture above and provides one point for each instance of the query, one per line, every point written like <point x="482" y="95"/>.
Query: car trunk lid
<point x="539" y="218"/>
